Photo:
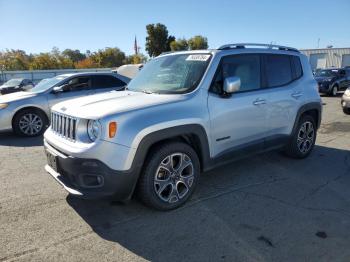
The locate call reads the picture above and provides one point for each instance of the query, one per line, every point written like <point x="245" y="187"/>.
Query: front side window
<point x="278" y="70"/>
<point x="79" y="83"/>
<point x="105" y="81"/>
<point x="246" y="67"/>
<point x="173" y="74"/>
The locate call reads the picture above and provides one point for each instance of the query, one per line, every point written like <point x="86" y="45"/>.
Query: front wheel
<point x="334" y="91"/>
<point x="170" y="176"/>
<point x="346" y="111"/>
<point x="303" y="139"/>
<point x="30" y="123"/>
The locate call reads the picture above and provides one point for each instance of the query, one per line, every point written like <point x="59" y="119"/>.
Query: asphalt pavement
<point x="264" y="208"/>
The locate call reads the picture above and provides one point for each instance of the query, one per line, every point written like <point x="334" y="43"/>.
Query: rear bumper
<point x="90" y="178"/>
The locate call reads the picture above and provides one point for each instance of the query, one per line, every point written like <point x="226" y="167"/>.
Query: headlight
<point x="3" y="106"/>
<point x="93" y="129"/>
<point x="347" y="92"/>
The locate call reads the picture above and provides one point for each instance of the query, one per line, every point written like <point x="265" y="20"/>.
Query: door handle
<point x="259" y="101"/>
<point x="297" y="94"/>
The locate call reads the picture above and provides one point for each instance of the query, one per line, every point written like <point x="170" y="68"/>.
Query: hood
<point x="15" y="96"/>
<point x="98" y="106"/>
<point x="323" y="78"/>
<point x="7" y="86"/>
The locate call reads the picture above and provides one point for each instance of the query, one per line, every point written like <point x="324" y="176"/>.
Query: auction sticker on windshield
<point x="197" y="57"/>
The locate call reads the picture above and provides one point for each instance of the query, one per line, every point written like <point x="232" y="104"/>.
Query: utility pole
<point x="318" y="43"/>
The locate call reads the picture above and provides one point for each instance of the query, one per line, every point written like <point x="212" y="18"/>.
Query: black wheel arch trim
<point x="308" y="107"/>
<point x="174" y="132"/>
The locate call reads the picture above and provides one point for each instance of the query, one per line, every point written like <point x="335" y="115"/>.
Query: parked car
<point x="184" y="113"/>
<point x="27" y="113"/>
<point x="345" y="101"/>
<point x="330" y="81"/>
<point x="16" y="85"/>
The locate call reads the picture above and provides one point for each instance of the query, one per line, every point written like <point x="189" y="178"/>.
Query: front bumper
<point x="345" y="101"/>
<point x="5" y="120"/>
<point x="89" y="178"/>
<point x="324" y="87"/>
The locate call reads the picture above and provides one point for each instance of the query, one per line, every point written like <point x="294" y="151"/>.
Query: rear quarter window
<point x="278" y="70"/>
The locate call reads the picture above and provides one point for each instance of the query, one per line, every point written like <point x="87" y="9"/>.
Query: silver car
<point x="184" y="113"/>
<point x="27" y="113"/>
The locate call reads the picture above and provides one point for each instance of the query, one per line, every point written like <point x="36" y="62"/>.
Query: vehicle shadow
<point x="233" y="214"/>
<point x="10" y="139"/>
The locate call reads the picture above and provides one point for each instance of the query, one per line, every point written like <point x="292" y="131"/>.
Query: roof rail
<point x="269" y="46"/>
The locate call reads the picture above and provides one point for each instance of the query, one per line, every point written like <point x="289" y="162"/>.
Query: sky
<point x="38" y="25"/>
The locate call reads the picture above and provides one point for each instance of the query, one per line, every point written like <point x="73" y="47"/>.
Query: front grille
<point x="63" y="125"/>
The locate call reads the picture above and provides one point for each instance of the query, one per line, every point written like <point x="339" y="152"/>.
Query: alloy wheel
<point x="30" y="124"/>
<point x="335" y="91"/>
<point x="306" y="136"/>
<point x="174" y="177"/>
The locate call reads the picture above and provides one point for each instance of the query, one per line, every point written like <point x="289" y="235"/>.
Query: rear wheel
<point x="303" y="139"/>
<point x="346" y="110"/>
<point x="30" y="122"/>
<point x="170" y="176"/>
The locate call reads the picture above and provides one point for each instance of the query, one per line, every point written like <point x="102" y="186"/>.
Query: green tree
<point x="43" y="61"/>
<point x="135" y="59"/>
<point x="157" y="40"/>
<point x="74" y="55"/>
<point x="14" y="60"/>
<point x="179" y="45"/>
<point x="198" y="42"/>
<point x="108" y="57"/>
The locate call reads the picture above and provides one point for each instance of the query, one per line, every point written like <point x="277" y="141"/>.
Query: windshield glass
<point x="13" y="82"/>
<point x="326" y="73"/>
<point x="174" y="74"/>
<point x="45" y="85"/>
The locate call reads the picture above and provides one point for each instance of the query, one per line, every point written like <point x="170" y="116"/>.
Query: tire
<point x="346" y="111"/>
<point x="302" y="143"/>
<point x="334" y="91"/>
<point x="160" y="185"/>
<point x="30" y="123"/>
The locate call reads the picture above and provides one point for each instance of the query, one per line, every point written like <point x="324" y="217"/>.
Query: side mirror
<point x="59" y="89"/>
<point x="232" y="84"/>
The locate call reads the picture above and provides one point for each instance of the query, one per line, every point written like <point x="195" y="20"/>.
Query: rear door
<point x="283" y="83"/>
<point x="106" y="83"/>
<point x="238" y="121"/>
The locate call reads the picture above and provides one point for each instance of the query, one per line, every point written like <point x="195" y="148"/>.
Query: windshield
<point x="174" y="74"/>
<point x="45" y="85"/>
<point x="326" y="73"/>
<point x="13" y="82"/>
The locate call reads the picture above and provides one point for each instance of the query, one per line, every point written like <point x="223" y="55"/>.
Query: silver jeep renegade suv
<point x="184" y="113"/>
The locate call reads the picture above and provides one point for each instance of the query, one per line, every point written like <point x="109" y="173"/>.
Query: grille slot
<point x="64" y="125"/>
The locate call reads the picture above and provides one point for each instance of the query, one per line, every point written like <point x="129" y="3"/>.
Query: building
<point x="327" y="57"/>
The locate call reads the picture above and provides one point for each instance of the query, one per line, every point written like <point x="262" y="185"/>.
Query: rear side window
<point x="296" y="66"/>
<point x="106" y="81"/>
<point x="278" y="70"/>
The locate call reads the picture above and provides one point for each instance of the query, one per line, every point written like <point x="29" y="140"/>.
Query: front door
<point x="238" y="121"/>
<point x="74" y="87"/>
